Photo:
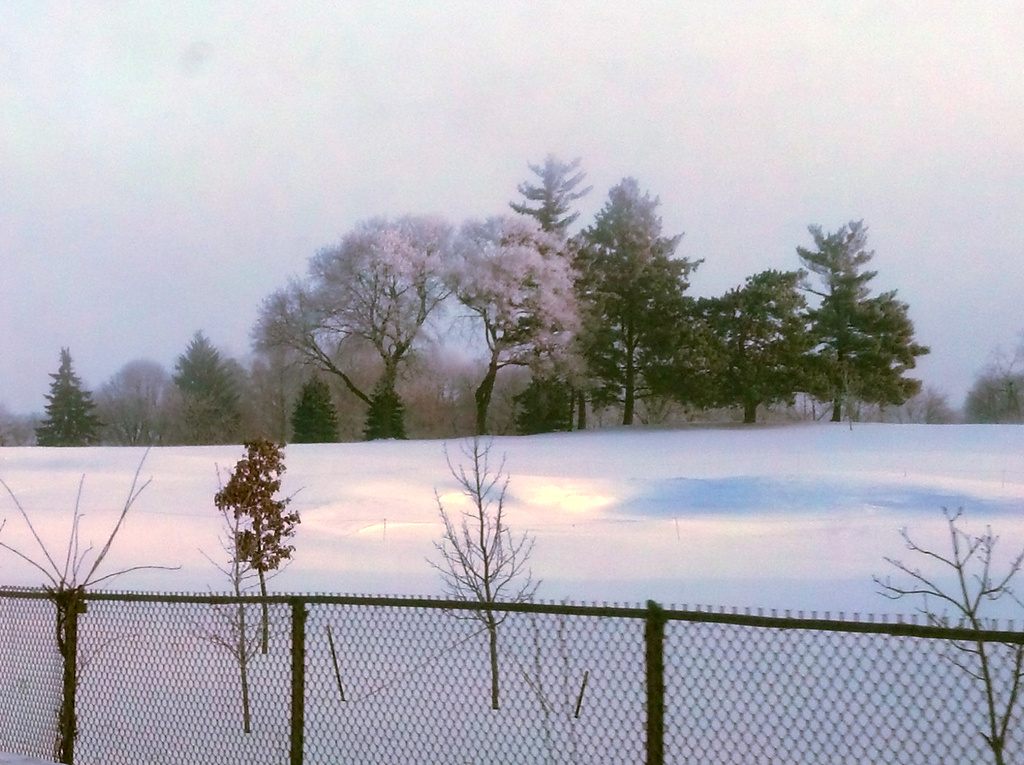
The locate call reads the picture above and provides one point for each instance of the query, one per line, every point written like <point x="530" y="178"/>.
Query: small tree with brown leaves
<point x="479" y="558"/>
<point x="263" y="525"/>
<point x="963" y="582"/>
<point x="231" y="629"/>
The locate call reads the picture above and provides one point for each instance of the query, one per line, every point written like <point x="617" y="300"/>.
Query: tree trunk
<point x="483" y="397"/>
<point x="69" y="604"/>
<point x="629" y="392"/>
<point x="837" y="410"/>
<point x="581" y="411"/>
<point x="750" y="412"/>
<point x="243" y="666"/>
<point x="266" y="614"/>
<point x="492" y="631"/>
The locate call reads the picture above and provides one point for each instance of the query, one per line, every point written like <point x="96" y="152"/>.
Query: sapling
<point x="478" y="557"/>
<point x="66" y="587"/>
<point x="975" y="585"/>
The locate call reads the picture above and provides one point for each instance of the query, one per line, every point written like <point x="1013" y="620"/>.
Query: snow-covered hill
<point x="795" y="517"/>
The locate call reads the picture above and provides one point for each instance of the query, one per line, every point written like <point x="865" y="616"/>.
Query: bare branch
<point x="970" y="561"/>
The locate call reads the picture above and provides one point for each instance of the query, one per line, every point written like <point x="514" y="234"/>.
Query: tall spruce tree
<point x="209" y="389"/>
<point x="631" y="289"/>
<point x="385" y="417"/>
<point x="70" y="420"/>
<point x="761" y="342"/>
<point x="544" y="406"/>
<point x="315" y="419"/>
<point x="865" y="345"/>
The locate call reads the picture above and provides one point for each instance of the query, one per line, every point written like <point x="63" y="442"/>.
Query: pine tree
<point x="865" y="344"/>
<point x="209" y="390"/>
<point x="762" y="342"/>
<point x="631" y="288"/>
<point x="70" y="420"/>
<point x="545" y="406"/>
<point x="385" y="417"/>
<point x="555" y="195"/>
<point x="315" y="419"/>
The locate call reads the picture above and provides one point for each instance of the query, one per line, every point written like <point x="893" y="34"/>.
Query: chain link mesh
<point x="166" y="679"/>
<point x="739" y="694"/>
<point x="30" y="676"/>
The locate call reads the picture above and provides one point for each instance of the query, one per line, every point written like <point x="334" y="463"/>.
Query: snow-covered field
<point x="794" y="517"/>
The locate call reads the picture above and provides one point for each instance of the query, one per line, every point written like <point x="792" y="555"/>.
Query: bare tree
<point x="68" y="581"/>
<point x="133" y="404"/>
<point x="974" y="586"/>
<point x="376" y="289"/>
<point x="478" y="557"/>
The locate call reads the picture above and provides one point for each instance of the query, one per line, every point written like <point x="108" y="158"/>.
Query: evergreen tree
<point x="385" y="417"/>
<point x="70" y="420"/>
<point x="632" y="291"/>
<point x="545" y="406"/>
<point x="761" y="342"/>
<point x="209" y="389"/>
<point x="555" y="194"/>
<point x="864" y="344"/>
<point x="315" y="420"/>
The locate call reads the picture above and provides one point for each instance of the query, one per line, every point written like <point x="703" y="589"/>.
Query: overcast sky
<point x="166" y="165"/>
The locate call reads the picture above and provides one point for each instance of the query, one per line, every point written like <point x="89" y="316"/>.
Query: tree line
<point x="414" y="326"/>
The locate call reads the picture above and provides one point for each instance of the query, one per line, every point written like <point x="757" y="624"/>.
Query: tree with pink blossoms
<point x="518" y="287"/>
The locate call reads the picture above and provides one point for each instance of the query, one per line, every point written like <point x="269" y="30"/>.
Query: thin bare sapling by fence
<point x="962" y="583"/>
<point x="67" y="582"/>
<point x="479" y="558"/>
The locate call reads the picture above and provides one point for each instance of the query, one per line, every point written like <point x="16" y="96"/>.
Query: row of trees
<point x="601" y="319"/>
<point x="410" y="324"/>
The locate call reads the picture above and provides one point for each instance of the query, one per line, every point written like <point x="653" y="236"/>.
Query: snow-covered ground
<point x="795" y="517"/>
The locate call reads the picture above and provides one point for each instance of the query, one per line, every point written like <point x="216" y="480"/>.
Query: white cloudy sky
<point x="165" y="165"/>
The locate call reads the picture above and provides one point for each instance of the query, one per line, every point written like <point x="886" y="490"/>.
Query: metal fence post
<point x="298" y="679"/>
<point x="654" y="642"/>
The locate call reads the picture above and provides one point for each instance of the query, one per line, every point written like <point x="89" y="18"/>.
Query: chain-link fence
<point x="183" y="679"/>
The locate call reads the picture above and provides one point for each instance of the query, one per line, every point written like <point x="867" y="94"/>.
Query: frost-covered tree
<point x="631" y="289"/>
<point x="554" y="196"/>
<point x="865" y="345"/>
<point x="209" y="388"/>
<point x="761" y="342"/>
<point x="376" y="289"/>
<point x="315" y="420"/>
<point x="510" y="276"/>
<point x="133" y="404"/>
<point x="70" y="419"/>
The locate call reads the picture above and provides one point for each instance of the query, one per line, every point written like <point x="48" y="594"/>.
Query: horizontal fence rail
<point x="182" y="678"/>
